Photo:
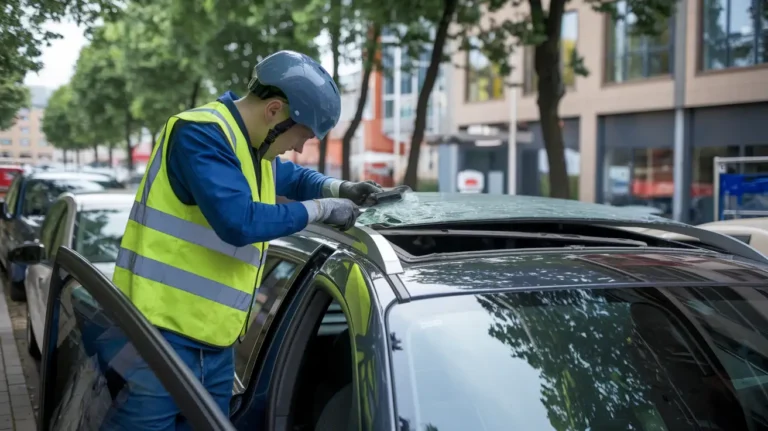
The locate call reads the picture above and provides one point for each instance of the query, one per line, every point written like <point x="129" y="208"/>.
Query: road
<point x="30" y="366"/>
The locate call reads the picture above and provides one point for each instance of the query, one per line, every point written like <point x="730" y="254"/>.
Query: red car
<point x="7" y="174"/>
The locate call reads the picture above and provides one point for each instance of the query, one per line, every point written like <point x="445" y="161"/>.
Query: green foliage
<point x="60" y="120"/>
<point x="14" y="95"/>
<point x="22" y="34"/>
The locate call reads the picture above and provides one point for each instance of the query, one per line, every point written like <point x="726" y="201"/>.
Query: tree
<point x="159" y="78"/>
<point x="22" y="36"/>
<point x="540" y="30"/>
<point x="60" y="123"/>
<point x="14" y="95"/>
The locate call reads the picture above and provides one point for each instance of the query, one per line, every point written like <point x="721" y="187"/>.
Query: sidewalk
<point x="15" y="407"/>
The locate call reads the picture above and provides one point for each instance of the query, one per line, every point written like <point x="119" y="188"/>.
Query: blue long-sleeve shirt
<point x="204" y="171"/>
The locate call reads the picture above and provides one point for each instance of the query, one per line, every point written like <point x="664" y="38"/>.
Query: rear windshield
<point x="581" y="359"/>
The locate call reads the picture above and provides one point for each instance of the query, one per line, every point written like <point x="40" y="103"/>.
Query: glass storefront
<point x="645" y="177"/>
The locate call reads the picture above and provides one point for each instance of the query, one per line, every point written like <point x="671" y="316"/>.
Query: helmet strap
<point x="274" y="133"/>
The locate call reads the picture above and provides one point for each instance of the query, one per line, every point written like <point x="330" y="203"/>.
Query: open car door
<point x="96" y="342"/>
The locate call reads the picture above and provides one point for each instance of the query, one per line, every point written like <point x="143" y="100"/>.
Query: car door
<point x="56" y="231"/>
<point x="36" y="198"/>
<point x="96" y="345"/>
<point x="322" y="365"/>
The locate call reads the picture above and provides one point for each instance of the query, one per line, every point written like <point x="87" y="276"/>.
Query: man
<point x="196" y="240"/>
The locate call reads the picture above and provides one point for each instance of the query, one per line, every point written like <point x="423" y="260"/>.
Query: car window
<point x="37" y="198"/>
<point x="93" y="365"/>
<point x="637" y="358"/>
<point x="98" y="233"/>
<point x="12" y="198"/>
<point x="266" y="303"/>
<point x="323" y="393"/>
<point x="53" y="221"/>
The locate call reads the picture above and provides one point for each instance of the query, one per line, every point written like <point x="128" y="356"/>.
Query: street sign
<point x="471" y="181"/>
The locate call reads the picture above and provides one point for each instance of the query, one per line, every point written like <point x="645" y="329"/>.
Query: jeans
<point x="147" y="406"/>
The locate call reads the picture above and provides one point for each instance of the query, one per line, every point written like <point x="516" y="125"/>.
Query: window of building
<point x="389" y="109"/>
<point x="632" y="55"/>
<point x="388" y="66"/>
<point x="25" y="155"/>
<point x="6" y="141"/>
<point x="42" y="142"/>
<point x="6" y="154"/>
<point x="733" y="33"/>
<point x="569" y="35"/>
<point x="483" y="80"/>
<point x="25" y="130"/>
<point x="24" y="142"/>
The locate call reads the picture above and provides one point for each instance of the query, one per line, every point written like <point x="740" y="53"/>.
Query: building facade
<point x="380" y="146"/>
<point x="707" y="65"/>
<point x="25" y="142"/>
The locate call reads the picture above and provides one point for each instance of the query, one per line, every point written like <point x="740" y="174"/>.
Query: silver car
<point x="90" y="223"/>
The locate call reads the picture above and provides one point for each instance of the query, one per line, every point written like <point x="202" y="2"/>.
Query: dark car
<point x="24" y="209"/>
<point x="451" y="312"/>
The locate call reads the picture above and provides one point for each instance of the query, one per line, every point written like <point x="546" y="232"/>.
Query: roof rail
<point x="367" y="241"/>
<point x="724" y="242"/>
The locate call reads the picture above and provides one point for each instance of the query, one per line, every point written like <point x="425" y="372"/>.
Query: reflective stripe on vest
<point x="142" y="267"/>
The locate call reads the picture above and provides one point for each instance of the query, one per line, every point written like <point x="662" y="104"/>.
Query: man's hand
<point x="358" y="192"/>
<point x="337" y="212"/>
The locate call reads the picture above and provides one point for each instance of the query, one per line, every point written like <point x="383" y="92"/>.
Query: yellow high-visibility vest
<point x="173" y="266"/>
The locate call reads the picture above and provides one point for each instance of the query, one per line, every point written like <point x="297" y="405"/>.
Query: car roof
<point x="63" y="175"/>
<point x="104" y="200"/>
<point x="419" y="209"/>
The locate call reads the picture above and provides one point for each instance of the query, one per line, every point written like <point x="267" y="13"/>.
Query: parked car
<point x="7" y="174"/>
<point x="25" y="206"/>
<point x="92" y="224"/>
<point x="450" y="312"/>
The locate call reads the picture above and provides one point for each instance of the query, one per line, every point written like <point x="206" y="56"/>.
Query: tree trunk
<point x="111" y="159"/>
<point x="195" y="92"/>
<point x="77" y="157"/>
<point x="438" y="48"/>
<point x="64" y="153"/>
<point x="321" y="158"/>
<point x="370" y="58"/>
<point x="335" y="32"/>
<point x="96" y="153"/>
<point x="129" y="147"/>
<point x="547" y="62"/>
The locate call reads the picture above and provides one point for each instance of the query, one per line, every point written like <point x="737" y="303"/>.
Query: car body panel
<point x="38" y="276"/>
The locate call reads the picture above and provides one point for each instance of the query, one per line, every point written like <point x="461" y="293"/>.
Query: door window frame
<point x="189" y="394"/>
<point x="322" y="290"/>
<point x="279" y="255"/>
<point x="13" y="194"/>
<point x="27" y="189"/>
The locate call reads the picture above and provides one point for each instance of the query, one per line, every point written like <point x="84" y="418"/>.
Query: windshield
<point x="578" y="360"/>
<point x="98" y="233"/>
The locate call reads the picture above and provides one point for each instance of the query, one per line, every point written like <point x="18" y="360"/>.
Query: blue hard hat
<point x="313" y="96"/>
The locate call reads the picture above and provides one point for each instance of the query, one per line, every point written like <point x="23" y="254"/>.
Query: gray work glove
<point x="337" y="212"/>
<point x="358" y="192"/>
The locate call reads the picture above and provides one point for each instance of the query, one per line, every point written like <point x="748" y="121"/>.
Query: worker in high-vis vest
<point x="196" y="240"/>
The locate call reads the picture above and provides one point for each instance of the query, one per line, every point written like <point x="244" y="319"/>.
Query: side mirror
<point x="4" y="210"/>
<point x="29" y="253"/>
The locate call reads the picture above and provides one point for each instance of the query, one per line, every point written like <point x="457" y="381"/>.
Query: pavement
<point x="19" y="372"/>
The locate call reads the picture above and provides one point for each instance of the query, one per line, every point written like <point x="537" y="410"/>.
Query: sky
<point x="59" y="59"/>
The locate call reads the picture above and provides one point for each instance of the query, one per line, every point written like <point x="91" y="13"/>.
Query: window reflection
<point x="645" y="177"/>
<point x="633" y="55"/>
<point x="569" y="35"/>
<point x="734" y="33"/>
<point x="629" y="359"/>
<point x="483" y="81"/>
